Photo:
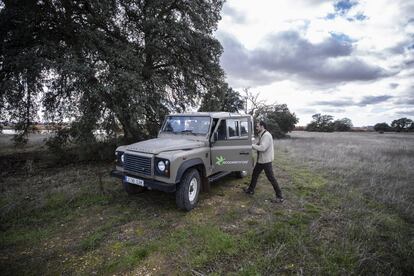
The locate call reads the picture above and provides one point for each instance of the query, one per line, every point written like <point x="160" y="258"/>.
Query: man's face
<point x="259" y="128"/>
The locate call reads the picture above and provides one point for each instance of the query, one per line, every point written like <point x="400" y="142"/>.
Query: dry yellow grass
<point x="381" y="166"/>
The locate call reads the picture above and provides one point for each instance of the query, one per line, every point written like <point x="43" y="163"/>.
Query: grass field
<point x="348" y="211"/>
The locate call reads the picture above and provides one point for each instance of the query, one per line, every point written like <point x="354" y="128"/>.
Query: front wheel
<point x="186" y="196"/>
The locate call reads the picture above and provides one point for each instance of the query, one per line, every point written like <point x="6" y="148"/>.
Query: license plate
<point x="134" y="181"/>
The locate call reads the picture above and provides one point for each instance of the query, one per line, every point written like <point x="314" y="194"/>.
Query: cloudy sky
<point x="351" y="59"/>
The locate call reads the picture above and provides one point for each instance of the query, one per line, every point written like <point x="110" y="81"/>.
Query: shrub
<point x="343" y="124"/>
<point x="322" y="123"/>
<point x="402" y="124"/>
<point x="382" y="127"/>
<point x="278" y="118"/>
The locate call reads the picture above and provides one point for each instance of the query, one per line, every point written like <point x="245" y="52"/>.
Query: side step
<point x="217" y="176"/>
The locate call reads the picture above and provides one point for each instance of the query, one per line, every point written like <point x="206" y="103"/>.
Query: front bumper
<point x="148" y="183"/>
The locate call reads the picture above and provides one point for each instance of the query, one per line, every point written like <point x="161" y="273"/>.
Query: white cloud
<point x="302" y="52"/>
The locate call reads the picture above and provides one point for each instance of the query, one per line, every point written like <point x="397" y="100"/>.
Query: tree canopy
<point x="101" y="64"/>
<point x="216" y="100"/>
<point x="322" y="123"/>
<point x="399" y="125"/>
<point x="344" y="124"/>
<point x="402" y="124"/>
<point x="278" y="117"/>
<point x="382" y="127"/>
<point x="326" y="123"/>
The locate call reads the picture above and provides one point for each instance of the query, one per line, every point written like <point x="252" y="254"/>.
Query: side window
<point x="244" y="128"/>
<point x="221" y="130"/>
<point x="233" y="128"/>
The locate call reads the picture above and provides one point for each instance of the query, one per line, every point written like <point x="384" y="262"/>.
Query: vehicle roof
<point x="212" y="114"/>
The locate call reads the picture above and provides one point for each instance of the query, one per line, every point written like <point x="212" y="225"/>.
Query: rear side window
<point x="244" y="128"/>
<point x="237" y="128"/>
<point x="233" y="128"/>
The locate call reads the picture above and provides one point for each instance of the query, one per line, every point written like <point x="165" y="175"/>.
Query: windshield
<point x="187" y="124"/>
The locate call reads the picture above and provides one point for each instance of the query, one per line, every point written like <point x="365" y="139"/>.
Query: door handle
<point x="244" y="153"/>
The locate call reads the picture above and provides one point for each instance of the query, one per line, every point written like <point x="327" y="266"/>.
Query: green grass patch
<point x="25" y="236"/>
<point x="133" y="256"/>
<point x="232" y="215"/>
<point x="57" y="208"/>
<point x="92" y="241"/>
<point x="29" y="226"/>
<point x="290" y="247"/>
<point x="202" y="244"/>
<point x="312" y="208"/>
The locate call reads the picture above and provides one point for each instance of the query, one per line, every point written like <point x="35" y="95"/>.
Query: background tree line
<point x="398" y="125"/>
<point x="326" y="123"/>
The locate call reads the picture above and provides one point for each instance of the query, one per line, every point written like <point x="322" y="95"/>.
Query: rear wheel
<point x="241" y="174"/>
<point x="186" y="196"/>
<point x="132" y="189"/>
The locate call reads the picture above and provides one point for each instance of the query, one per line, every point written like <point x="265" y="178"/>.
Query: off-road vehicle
<point x="191" y="150"/>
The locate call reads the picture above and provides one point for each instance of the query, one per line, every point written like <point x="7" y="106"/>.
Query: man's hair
<point x="263" y="124"/>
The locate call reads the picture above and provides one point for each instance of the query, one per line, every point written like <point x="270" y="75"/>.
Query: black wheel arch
<point x="192" y="163"/>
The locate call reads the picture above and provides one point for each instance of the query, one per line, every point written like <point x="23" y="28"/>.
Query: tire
<point x="186" y="196"/>
<point x="132" y="189"/>
<point x="241" y="174"/>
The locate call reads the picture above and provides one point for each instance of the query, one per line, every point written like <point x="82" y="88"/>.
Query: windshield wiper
<point x="187" y="131"/>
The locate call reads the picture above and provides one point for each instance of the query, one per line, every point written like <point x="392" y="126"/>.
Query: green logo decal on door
<point x="220" y="160"/>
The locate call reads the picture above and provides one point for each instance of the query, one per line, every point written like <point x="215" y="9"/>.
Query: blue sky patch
<point x="360" y="17"/>
<point x="330" y="16"/>
<point x="343" y="6"/>
<point x="341" y="37"/>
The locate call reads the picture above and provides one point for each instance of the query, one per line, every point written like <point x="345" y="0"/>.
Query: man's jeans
<point x="267" y="167"/>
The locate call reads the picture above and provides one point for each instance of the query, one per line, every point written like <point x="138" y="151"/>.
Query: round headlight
<point x="161" y="166"/>
<point x="122" y="158"/>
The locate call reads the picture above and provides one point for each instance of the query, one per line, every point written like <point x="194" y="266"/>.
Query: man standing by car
<point x="265" y="156"/>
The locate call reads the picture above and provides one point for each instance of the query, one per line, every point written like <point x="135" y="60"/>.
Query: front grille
<point x="137" y="164"/>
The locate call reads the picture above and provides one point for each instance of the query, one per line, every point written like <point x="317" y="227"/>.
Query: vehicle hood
<point x="158" y="145"/>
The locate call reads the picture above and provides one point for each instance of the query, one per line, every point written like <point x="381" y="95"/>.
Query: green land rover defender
<point x="191" y="151"/>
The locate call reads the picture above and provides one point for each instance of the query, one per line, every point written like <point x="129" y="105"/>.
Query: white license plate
<point x="134" y="181"/>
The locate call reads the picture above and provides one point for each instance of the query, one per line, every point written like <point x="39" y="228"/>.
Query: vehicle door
<point x="231" y="145"/>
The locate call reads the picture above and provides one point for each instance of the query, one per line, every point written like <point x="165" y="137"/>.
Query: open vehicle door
<point x="231" y="148"/>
